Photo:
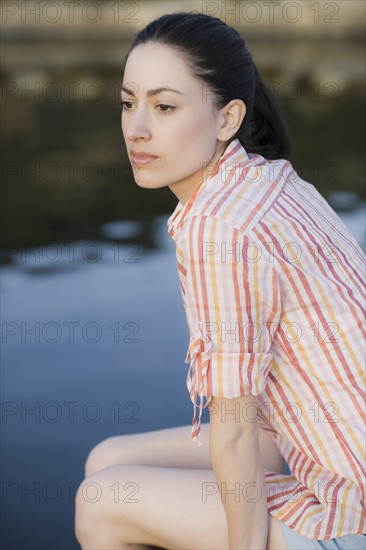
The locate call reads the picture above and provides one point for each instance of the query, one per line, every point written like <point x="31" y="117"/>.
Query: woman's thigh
<point x="170" y="448"/>
<point x="171" y="508"/>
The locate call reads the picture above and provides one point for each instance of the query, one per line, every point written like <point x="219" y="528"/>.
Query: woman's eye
<point x="167" y="108"/>
<point x="125" y="104"/>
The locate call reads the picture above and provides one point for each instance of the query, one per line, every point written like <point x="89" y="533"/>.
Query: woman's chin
<point x="147" y="183"/>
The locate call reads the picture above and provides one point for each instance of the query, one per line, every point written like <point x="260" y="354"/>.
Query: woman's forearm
<point x="239" y="473"/>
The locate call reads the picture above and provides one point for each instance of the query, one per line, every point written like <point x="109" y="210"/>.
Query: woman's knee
<point x="103" y="454"/>
<point x="102" y="513"/>
<point x="89" y="520"/>
<point x="91" y="504"/>
<point x="83" y="523"/>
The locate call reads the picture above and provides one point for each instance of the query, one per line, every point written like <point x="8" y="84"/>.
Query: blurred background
<point x="93" y="328"/>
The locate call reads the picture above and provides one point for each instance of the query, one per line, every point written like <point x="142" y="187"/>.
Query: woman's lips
<point x="142" y="158"/>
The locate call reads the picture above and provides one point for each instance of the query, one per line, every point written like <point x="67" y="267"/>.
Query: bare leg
<point x="171" y="451"/>
<point x="170" y="447"/>
<point x="126" y="505"/>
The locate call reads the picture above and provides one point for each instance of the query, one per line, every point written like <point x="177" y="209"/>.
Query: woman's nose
<point x="136" y="125"/>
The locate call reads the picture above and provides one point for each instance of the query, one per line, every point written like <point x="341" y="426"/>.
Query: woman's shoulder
<point x="240" y="194"/>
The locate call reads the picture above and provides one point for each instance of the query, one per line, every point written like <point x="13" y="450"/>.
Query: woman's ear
<point x="232" y="115"/>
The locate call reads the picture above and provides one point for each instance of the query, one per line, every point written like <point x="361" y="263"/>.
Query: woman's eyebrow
<point x="150" y="93"/>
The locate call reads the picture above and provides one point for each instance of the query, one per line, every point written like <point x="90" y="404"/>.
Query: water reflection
<point x="127" y="241"/>
<point x="352" y="212"/>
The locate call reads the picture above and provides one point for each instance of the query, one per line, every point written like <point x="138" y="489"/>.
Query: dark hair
<point x="217" y="54"/>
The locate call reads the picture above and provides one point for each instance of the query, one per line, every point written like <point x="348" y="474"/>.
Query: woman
<point x="272" y="286"/>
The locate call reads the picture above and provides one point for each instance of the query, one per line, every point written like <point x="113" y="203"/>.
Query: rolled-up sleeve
<point x="233" y="306"/>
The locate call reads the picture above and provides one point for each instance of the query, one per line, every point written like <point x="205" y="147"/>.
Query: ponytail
<point x="265" y="132"/>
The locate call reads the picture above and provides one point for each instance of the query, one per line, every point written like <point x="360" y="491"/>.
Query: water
<point x="120" y="370"/>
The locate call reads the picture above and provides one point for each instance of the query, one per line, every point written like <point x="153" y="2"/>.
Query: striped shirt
<point x="274" y="294"/>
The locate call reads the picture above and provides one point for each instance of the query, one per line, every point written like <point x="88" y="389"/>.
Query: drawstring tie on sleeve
<point x="198" y="355"/>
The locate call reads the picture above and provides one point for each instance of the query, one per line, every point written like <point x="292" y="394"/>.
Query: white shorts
<point x="295" y="541"/>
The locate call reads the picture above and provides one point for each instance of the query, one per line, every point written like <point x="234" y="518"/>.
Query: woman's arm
<point x="237" y="463"/>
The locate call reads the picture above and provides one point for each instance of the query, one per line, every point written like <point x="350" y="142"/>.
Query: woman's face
<point x="180" y="129"/>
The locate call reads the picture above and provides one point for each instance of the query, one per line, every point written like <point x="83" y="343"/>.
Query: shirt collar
<point x="233" y="154"/>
